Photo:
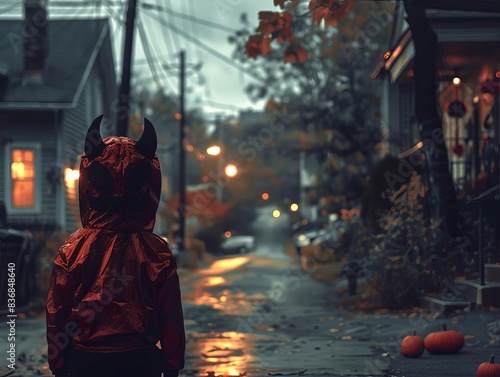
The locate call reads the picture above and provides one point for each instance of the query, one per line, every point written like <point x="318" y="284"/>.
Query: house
<point x="55" y="77"/>
<point x="468" y="78"/>
<point x="468" y="67"/>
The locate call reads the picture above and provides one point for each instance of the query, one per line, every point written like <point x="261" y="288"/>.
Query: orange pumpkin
<point x="489" y="369"/>
<point x="412" y="346"/>
<point x="444" y="342"/>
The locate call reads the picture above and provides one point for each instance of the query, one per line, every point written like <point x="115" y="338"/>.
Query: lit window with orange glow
<point x="22" y="174"/>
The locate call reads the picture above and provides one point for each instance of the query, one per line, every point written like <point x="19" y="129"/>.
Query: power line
<point x="149" y="57"/>
<point x="189" y="30"/>
<point x="167" y="44"/>
<point x="147" y="51"/>
<point x="194" y="20"/>
<point x="109" y="5"/>
<point x="175" y="38"/>
<point x="207" y="48"/>
<point x="194" y="27"/>
<point x="148" y="6"/>
<point x="118" y="21"/>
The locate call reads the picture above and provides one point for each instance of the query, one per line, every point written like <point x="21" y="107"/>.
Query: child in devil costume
<point x="114" y="291"/>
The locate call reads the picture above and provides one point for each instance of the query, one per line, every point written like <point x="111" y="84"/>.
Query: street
<point x="254" y="314"/>
<point x="257" y="314"/>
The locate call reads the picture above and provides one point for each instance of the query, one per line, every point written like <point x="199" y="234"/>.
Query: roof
<point x="470" y="29"/>
<point x="73" y="47"/>
<point x="487" y="6"/>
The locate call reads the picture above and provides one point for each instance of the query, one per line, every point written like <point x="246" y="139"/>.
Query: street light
<point x="231" y="170"/>
<point x="213" y="150"/>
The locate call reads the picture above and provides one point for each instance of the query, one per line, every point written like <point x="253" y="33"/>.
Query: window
<point x="22" y="174"/>
<point x="22" y="178"/>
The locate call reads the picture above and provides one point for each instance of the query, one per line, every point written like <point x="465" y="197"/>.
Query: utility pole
<point x="182" y="156"/>
<point x="220" y="165"/>
<point x="124" y="94"/>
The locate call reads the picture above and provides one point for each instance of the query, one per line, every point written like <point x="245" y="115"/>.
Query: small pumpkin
<point x="444" y="342"/>
<point x="412" y="346"/>
<point x="489" y="369"/>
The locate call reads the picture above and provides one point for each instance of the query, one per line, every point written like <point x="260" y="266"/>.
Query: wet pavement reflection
<point x="233" y="325"/>
<point x="227" y="353"/>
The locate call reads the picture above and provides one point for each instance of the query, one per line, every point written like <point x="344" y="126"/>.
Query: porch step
<point x="439" y="305"/>
<point x="480" y="295"/>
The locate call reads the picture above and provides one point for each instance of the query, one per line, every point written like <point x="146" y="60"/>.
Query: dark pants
<point x="145" y="362"/>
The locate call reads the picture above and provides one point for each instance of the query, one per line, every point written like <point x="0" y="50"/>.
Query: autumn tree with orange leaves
<point x="320" y="77"/>
<point x="277" y="26"/>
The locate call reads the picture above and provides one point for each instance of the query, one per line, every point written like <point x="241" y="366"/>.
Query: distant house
<point x="467" y="69"/>
<point x="55" y="77"/>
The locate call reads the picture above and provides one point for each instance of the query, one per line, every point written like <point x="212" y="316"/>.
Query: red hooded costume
<point x="114" y="285"/>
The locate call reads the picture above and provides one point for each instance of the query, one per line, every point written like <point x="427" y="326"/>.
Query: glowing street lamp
<point x="276" y="213"/>
<point x="265" y="196"/>
<point x="213" y="150"/>
<point x="231" y="170"/>
<point x="294" y="207"/>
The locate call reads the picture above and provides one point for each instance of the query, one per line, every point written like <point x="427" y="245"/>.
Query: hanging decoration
<point x="457" y="110"/>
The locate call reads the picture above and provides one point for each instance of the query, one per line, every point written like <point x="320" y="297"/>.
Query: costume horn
<point x="94" y="145"/>
<point x="146" y="145"/>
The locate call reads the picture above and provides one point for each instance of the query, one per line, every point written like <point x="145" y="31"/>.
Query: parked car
<point x="327" y="238"/>
<point x="306" y="238"/>
<point x="237" y="244"/>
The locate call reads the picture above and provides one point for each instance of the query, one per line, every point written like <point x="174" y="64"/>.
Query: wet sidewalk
<point x="288" y="323"/>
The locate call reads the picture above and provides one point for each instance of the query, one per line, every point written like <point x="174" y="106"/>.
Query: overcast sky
<point x="218" y="86"/>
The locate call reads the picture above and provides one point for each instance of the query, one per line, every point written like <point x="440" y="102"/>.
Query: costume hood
<point x="120" y="181"/>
